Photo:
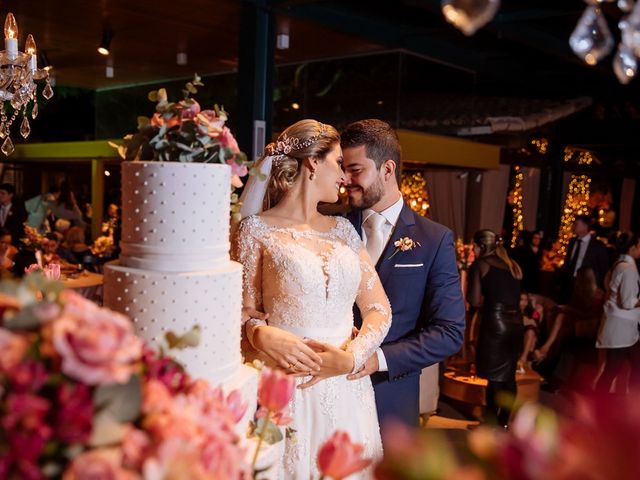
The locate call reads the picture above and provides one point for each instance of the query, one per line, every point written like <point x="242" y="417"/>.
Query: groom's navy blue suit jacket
<point x="423" y="286"/>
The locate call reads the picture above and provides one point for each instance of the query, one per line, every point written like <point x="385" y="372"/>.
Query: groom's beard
<point x="369" y="197"/>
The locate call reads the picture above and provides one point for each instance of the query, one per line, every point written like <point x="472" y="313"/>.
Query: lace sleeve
<point x="247" y="250"/>
<point x="375" y="310"/>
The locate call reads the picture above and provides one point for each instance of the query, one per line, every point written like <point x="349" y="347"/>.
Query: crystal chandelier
<point x="18" y="90"/>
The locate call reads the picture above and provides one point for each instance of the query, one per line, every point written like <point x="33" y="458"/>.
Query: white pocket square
<point x="408" y="265"/>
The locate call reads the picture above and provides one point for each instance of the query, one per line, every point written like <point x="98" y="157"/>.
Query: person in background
<point x="619" y="331"/>
<point x="7" y="253"/>
<point x="66" y="207"/>
<point x="529" y="257"/>
<point x="494" y="286"/>
<point x="532" y="316"/>
<point x="12" y="212"/>
<point x="584" y="250"/>
<point x="79" y="250"/>
<point x="38" y="209"/>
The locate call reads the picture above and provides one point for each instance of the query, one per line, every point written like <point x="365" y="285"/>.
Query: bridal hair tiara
<point x="285" y="144"/>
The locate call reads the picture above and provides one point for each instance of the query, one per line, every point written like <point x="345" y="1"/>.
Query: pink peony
<point x="74" y="417"/>
<point x="12" y="349"/>
<point x="227" y="140"/>
<point x="52" y="271"/>
<point x="76" y="304"/>
<point x="190" y="109"/>
<point x="165" y="370"/>
<point x="99" y="464"/>
<point x="275" y="389"/>
<point x="27" y="445"/>
<point x="338" y="457"/>
<point x="176" y="459"/>
<point x="29" y="376"/>
<point x="135" y="448"/>
<point x="97" y="346"/>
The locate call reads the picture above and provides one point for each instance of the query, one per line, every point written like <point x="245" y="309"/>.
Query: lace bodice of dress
<point x="308" y="281"/>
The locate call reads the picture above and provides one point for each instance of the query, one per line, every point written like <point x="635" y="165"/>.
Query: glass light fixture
<point x="18" y="72"/>
<point x="469" y="15"/>
<point x="592" y="40"/>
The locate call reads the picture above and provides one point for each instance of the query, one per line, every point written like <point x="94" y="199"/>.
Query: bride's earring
<point x="313" y="175"/>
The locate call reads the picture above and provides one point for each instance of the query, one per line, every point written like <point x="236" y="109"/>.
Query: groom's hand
<point x="369" y="367"/>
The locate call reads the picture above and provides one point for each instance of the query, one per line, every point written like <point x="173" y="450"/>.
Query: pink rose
<point x="165" y="370"/>
<point x="212" y="123"/>
<point x="135" y="448"/>
<point x="338" y="457"/>
<point x="275" y="389"/>
<point x="156" y="397"/>
<point x="99" y="464"/>
<point x="12" y="349"/>
<point x="97" y="346"/>
<point x="74" y="417"/>
<point x="29" y="376"/>
<point x="52" y="271"/>
<point x="76" y="304"/>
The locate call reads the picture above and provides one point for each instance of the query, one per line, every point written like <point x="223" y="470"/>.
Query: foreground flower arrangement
<point x="82" y="397"/>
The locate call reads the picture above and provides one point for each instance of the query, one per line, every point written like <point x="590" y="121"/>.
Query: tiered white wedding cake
<point x="174" y="271"/>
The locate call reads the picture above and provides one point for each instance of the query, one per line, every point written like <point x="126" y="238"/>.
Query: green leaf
<point x="153" y="96"/>
<point x="120" y="401"/>
<point x="106" y="430"/>
<point x="143" y="121"/>
<point x="191" y="89"/>
<point x="189" y="339"/>
<point x="197" y="80"/>
<point x="270" y="431"/>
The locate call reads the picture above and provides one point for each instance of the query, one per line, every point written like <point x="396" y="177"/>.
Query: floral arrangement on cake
<point x="183" y="132"/>
<point x="598" y="439"/>
<point x="464" y="255"/>
<point x="81" y="396"/>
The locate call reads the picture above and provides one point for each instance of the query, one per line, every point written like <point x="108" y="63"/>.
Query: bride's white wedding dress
<point x="308" y="281"/>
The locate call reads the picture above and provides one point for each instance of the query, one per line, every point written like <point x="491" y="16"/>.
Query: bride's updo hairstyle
<point x="303" y="139"/>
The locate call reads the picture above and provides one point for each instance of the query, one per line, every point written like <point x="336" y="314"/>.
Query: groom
<point x="422" y="282"/>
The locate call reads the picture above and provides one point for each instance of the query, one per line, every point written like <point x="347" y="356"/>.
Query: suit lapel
<point x="355" y="217"/>
<point x="404" y="228"/>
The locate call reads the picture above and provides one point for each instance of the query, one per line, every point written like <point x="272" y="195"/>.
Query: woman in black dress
<point x="494" y="286"/>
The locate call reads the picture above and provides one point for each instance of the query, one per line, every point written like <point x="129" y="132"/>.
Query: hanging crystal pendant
<point x="625" y="5"/>
<point x="47" y="92"/>
<point x="591" y="40"/>
<point x="469" y="15"/>
<point x="625" y="64"/>
<point x="7" y="146"/>
<point x="25" y="128"/>
<point x="630" y="29"/>
<point x="34" y="110"/>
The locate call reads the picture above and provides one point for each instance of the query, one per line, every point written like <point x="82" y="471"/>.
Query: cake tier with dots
<point x="158" y="302"/>
<point x="175" y="216"/>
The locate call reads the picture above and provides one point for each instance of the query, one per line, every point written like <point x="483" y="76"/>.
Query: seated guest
<point x="619" y="331"/>
<point x="7" y="252"/>
<point x="12" y="212"/>
<point x="532" y="317"/>
<point x="79" y="251"/>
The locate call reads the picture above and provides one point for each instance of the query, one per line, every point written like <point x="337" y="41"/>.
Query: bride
<point x="306" y="270"/>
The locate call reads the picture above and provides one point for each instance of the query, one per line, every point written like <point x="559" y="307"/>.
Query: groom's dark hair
<point x="379" y="139"/>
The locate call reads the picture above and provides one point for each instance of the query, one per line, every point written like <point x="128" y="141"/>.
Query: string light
<point x="541" y="144"/>
<point x="574" y="205"/>
<point x="414" y="190"/>
<point x="584" y="157"/>
<point x="518" y="217"/>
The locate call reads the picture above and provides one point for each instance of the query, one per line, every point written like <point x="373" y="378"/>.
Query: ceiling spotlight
<point x="109" y="69"/>
<point x="107" y="173"/>
<point x="282" y="37"/>
<point x="181" y="58"/>
<point x="105" y="43"/>
<point x="295" y="105"/>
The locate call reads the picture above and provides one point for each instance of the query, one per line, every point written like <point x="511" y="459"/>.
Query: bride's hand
<point x="289" y="351"/>
<point x="335" y="361"/>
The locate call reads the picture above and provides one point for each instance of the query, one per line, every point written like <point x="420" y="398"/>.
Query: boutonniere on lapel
<point x="404" y="244"/>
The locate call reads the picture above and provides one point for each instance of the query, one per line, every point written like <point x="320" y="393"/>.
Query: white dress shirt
<point x="584" y="244"/>
<point x="391" y="214"/>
